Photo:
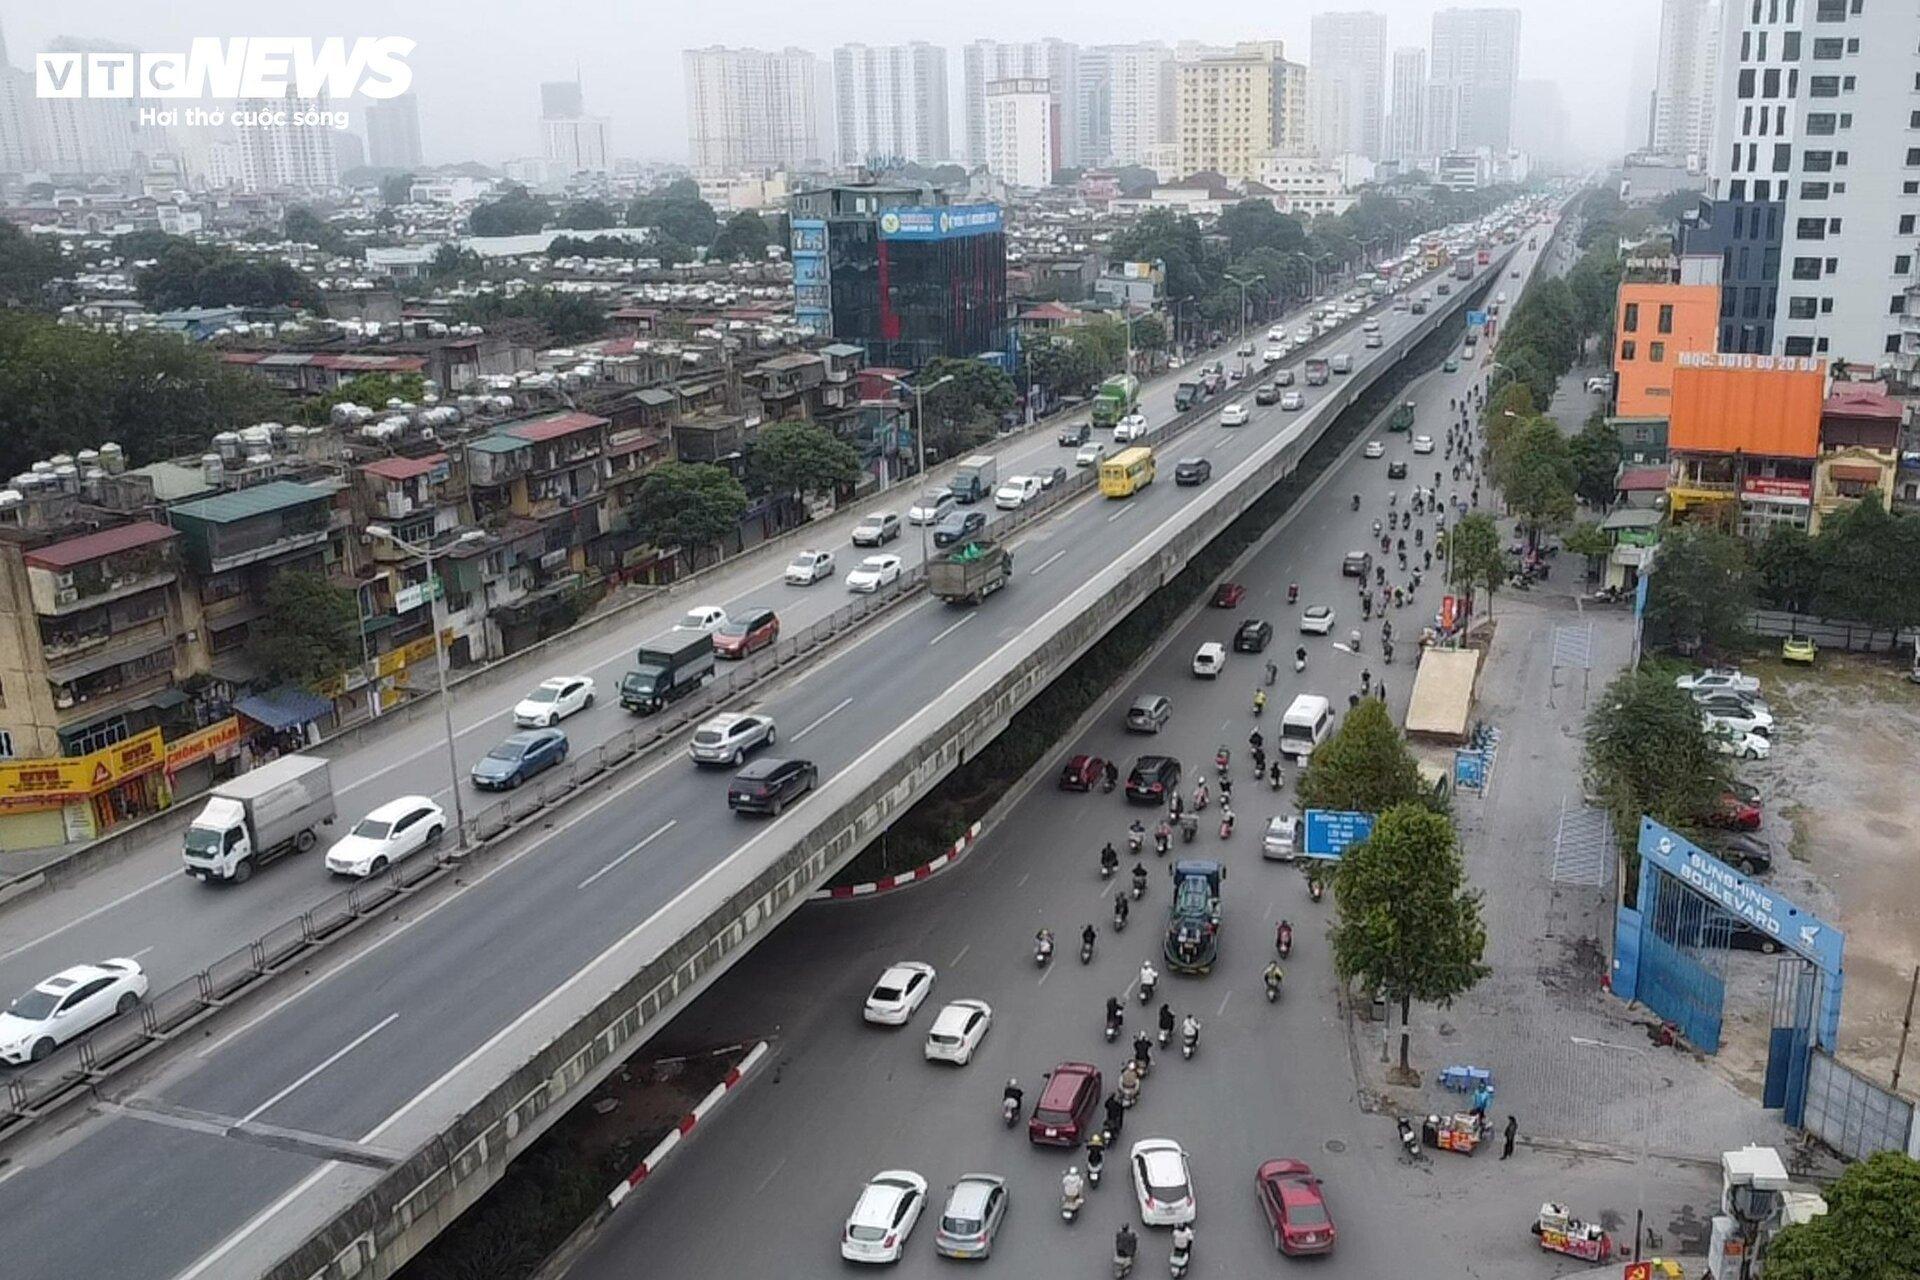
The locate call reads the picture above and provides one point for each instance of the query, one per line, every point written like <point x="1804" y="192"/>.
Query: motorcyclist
<point x="1256" y="740"/>
<point x="1300" y="657"/>
<point x="1183" y="1238"/>
<point x="1259" y="763"/>
<point x="1073" y="1188"/>
<point x="1109" y="858"/>
<point x="1166" y="1020"/>
<point x="1136" y="834"/>
<point x="1149" y="977"/>
<point x="1200" y="794"/>
<point x="1129" y="1083"/>
<point x="1274" y="975"/>
<point x="1274" y="775"/>
<point x="1272" y="671"/>
<point x="1120" y="909"/>
<point x="1163" y="836"/>
<point x="1125" y="1245"/>
<point x="1112" y="774"/>
<point x="1087" y="936"/>
<point x="1376" y="528"/>
<point x="1012" y="1094"/>
<point x="1366" y="678"/>
<point x="1353" y="641"/>
<point x="1283" y="937"/>
<point x="1356" y="502"/>
<point x="1259" y="701"/>
<point x="1140" y="877"/>
<point x="1043" y="943"/>
<point x="1116" y="1013"/>
<point x="1190" y="1031"/>
<point x="1143" y="1051"/>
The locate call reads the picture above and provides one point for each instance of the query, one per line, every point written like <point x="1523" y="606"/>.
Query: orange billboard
<point x="1762" y="406"/>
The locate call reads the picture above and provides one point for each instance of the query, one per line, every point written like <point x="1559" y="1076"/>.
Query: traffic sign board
<point x="1330" y="831"/>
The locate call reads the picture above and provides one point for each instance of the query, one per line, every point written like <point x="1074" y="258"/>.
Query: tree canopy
<point x="309" y="630"/>
<point x="567" y="317"/>
<point x="745" y="237"/>
<point x="586" y="215"/>
<point x="194" y="275"/>
<point x="1364" y="767"/>
<point x="396" y="188"/>
<point x="1870" y="1231"/>
<point x="1648" y="753"/>
<point x="800" y="457"/>
<point x="689" y="504"/>
<point x="1702" y="589"/>
<point x="370" y="389"/>
<point x="1474" y="558"/>
<point x="517" y="212"/>
<point x="677" y="212"/>
<point x="303" y="226"/>
<point x="1536" y="474"/>
<point x="967" y="410"/>
<point x="27" y="264"/>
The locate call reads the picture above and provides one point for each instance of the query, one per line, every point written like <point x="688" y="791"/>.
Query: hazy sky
<point x="479" y="62"/>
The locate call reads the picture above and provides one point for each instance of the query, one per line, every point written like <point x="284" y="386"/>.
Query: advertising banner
<point x="938" y="222"/>
<point x="39" y="784"/>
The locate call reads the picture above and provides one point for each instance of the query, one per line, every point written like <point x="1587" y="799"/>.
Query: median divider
<point x="642" y="1171"/>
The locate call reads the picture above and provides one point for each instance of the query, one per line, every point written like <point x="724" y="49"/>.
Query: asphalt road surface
<point x="221" y="1160"/>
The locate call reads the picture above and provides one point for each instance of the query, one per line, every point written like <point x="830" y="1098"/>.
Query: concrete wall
<point x="703" y="934"/>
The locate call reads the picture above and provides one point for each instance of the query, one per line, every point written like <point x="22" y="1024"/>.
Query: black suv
<point x="1396" y="470"/>
<point x="961" y="524"/>
<point x="1153" y="780"/>
<point x="1190" y="471"/>
<point x="1269" y="393"/>
<point x="1075" y="434"/>
<point x="1254" y="635"/>
<point x="769" y="785"/>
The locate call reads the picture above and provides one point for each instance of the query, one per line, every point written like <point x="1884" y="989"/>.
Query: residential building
<point x="1023" y="132"/>
<point x="393" y="132"/>
<point x="893" y="269"/>
<point x="1478" y="52"/>
<point x="891" y="102"/>
<point x="1683" y="92"/>
<point x="1541" y="126"/>
<point x="562" y="100"/>
<point x="1093" y="107"/>
<point x="1233" y="108"/>
<point x="19" y="116"/>
<point x="278" y="152"/>
<point x="1303" y="186"/>
<point x="1859" y="449"/>
<point x="1743" y="436"/>
<point x="580" y="144"/>
<point x="1463" y="170"/>
<point x="86" y="135"/>
<point x="1056" y="61"/>
<point x="1440" y="125"/>
<point x="1406" y="123"/>
<point x="1347" y="61"/>
<point x="1658" y="319"/>
<point x="1812" y="190"/>
<point x="750" y="109"/>
<point x="1140" y="88"/>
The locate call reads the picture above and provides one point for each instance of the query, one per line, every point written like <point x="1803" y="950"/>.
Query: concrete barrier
<point x="694" y="940"/>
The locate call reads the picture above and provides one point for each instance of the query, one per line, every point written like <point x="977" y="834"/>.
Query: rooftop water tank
<point x="113" y="458"/>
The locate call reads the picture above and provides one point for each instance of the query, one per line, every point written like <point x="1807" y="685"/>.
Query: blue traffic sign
<point x="1330" y="831"/>
<point x="1476" y="319"/>
<point x="1469" y="769"/>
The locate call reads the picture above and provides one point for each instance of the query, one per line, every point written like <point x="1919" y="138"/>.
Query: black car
<point x="1154" y="778"/>
<point x="1049" y="477"/>
<point x="1357" y="564"/>
<point x="1269" y="393"/>
<point x="1075" y="434"/>
<point x="1190" y="471"/>
<point x="769" y="785"/>
<point x="1254" y="635"/>
<point x="1750" y="854"/>
<point x="961" y="524"/>
<point x="1396" y="470"/>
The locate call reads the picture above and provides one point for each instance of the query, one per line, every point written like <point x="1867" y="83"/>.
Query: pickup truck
<point x="667" y="669"/>
<point x="260" y="815"/>
<point x="970" y="572"/>
<point x="1192" y="941"/>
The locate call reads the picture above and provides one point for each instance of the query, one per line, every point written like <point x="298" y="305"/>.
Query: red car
<point x="743" y="632"/>
<point x="1082" y="773"/>
<point x="1228" y="595"/>
<point x="1296" y="1211"/>
<point x="1739" y="809"/>
<point x="1063" y="1116"/>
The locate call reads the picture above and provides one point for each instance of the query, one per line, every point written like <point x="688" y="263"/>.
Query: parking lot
<point x="1841" y="808"/>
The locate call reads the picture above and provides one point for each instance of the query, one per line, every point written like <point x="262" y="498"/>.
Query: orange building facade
<point x="1654" y="324"/>
<point x="1742" y="438"/>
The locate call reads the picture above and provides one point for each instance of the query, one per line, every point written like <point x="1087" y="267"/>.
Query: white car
<point x="1732" y="742"/>
<point x="1303" y="335"/>
<point x="702" y="617"/>
<point x="1090" y="455"/>
<point x="873" y="573"/>
<point x="1162" y="1182"/>
<point x="1234" y="415"/>
<point x="1130" y="428"/>
<point x="1375" y="449"/>
<point x="1283" y="839"/>
<point x="729" y="736"/>
<point x="1017" y="492"/>
<point x="1283" y="377"/>
<point x="70" y="1002"/>
<point x="1739" y="719"/>
<point x="1371" y="326"/>
<point x="1423" y="444"/>
<point x="808" y="567"/>
<point x="898" y="993"/>
<point x="1277" y="334"/>
<point x="932" y="507"/>
<point x="957" y="1031"/>
<point x="883" y="1216"/>
<point x="1371" y="340"/>
<point x="554" y="701"/>
<point x="1714" y="679"/>
<point x="1292" y="401"/>
<point x="397" y="829"/>
<point x="1317" y="620"/>
<point x="1273" y="354"/>
<point x="1208" y="659"/>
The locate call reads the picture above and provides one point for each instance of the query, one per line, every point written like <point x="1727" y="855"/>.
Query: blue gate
<point x="1796" y="1002"/>
<point x="1680" y="946"/>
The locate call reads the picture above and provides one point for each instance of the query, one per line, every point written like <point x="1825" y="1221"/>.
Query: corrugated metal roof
<point x="1773" y="413"/>
<point x="555" y="426"/>
<point x="92" y="546"/>
<point x="404" y="468"/>
<point x="1641" y="480"/>
<point x="497" y="444"/>
<point x="275" y="495"/>
<point x="1862" y="400"/>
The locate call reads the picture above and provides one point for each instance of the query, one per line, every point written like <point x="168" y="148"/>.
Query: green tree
<point x="1104" y="341"/>
<point x="1870" y="1231"/>
<point x="1789" y="569"/>
<point x="744" y="238"/>
<point x="517" y="212"/>
<point x="1063" y="368"/>
<point x="966" y="411"/>
<point x="802" y="458"/>
<point x="396" y="188"/>
<point x="1589" y="540"/>
<point x="1868" y="571"/>
<point x="192" y="275"/>
<point x="309" y="629"/>
<point x="1595" y="454"/>
<point x="27" y="265"/>
<point x="1536" y="475"/>
<point x="1408" y="926"/>
<point x="1474" y="558"/>
<point x="689" y="504"/>
<point x="1256" y="224"/>
<point x="370" y="389"/>
<point x="303" y="226"/>
<point x="1702" y="589"/>
<point x="1149" y="334"/>
<point x="1365" y="766"/>
<point x="451" y="262"/>
<point x="586" y="215"/>
<point x="1175" y="241"/>
<point x="677" y="212"/>
<point x="1648" y="753"/>
<point x="567" y="317"/>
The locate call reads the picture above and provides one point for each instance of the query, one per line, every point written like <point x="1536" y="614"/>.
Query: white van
<point x="1306" y="725"/>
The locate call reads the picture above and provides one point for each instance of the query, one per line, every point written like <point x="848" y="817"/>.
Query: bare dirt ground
<point x="1842" y="793"/>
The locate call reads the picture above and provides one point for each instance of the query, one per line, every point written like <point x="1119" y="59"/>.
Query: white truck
<point x="256" y="817"/>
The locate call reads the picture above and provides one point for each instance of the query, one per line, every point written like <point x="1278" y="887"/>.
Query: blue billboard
<point x="1752" y="903"/>
<point x="939" y="222"/>
<point x="1469" y="769"/>
<point x="1330" y="831"/>
<point x="1476" y="320"/>
<point x="812" y="298"/>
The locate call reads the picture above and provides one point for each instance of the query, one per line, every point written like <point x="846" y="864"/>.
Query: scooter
<point x="1273" y="990"/>
<point x="1119" y="915"/>
<point x="1086" y="951"/>
<point x="1189" y="1041"/>
<point x="1178" y="1261"/>
<point x="1009" y="1111"/>
<point x="1314" y="890"/>
<point x="1409" y="1137"/>
<point x="1226" y="825"/>
<point x="1122" y="1265"/>
<point x="1283" y="941"/>
<point x="1113" y="1031"/>
<point x="1146" y="989"/>
<point x="1139" y="889"/>
<point x="1070" y="1206"/>
<point x="1136" y="838"/>
<point x="1293" y="593"/>
<point x="1043" y="951"/>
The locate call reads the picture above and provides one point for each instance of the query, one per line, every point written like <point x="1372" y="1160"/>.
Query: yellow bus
<point x="1127" y="472"/>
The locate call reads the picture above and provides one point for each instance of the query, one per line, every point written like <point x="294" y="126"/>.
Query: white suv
<point x="729" y="736"/>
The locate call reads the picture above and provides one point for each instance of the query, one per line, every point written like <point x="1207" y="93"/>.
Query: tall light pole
<point x="435" y="599"/>
<point x="1244" y="286"/>
<point x="920" y="438"/>
<point x="1646" y="1123"/>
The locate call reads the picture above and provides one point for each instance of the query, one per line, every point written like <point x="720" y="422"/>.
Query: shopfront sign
<point x="45" y="783"/>
<point x="1767" y="489"/>
<point x="419" y="650"/>
<point x="201" y="743"/>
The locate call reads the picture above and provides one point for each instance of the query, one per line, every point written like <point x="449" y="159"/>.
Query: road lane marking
<point x="844" y="704"/>
<point x="142" y="951"/>
<point x="950" y="630"/>
<point x="1044" y="563"/>
<point x="955" y="962"/>
<point x="334" y="1057"/>
<point x="254" y="1223"/>
<point x="770" y="1175"/>
<point x="1046" y="971"/>
<point x="1222" y="1011"/>
<point x="170" y="878"/>
<point x="1121" y="512"/>
<point x="671" y="823"/>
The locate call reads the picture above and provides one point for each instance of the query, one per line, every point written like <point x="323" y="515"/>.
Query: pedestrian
<point x="1512" y="1129"/>
<point x="1482" y="1099"/>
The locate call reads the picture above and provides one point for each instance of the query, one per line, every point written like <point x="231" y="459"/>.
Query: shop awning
<point x="1856" y="473"/>
<point x="283" y="708"/>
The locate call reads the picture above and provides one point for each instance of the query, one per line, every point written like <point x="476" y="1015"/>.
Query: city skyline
<point x="639" y="84"/>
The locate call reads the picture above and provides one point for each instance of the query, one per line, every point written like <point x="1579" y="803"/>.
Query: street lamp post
<point x="435" y="600"/>
<point x="920" y="438"/>
<point x="1244" y="286"/>
<point x="1646" y="1123"/>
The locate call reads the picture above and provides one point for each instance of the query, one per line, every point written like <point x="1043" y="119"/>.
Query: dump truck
<point x="1185" y="396"/>
<point x="666" y="669"/>
<point x="1115" y="399"/>
<point x="264" y="813"/>
<point x="975" y="478"/>
<point x="970" y="572"/>
<point x="1316" y="371"/>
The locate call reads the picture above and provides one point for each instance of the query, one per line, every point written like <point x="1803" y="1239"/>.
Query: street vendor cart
<point x="1561" y="1233"/>
<point x="1462" y="1132"/>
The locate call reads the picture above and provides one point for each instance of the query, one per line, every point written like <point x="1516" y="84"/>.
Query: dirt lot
<point x="1842" y="793"/>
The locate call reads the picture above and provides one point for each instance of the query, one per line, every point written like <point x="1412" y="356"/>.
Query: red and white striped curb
<point x="885" y="883"/>
<point x="692" y="1118"/>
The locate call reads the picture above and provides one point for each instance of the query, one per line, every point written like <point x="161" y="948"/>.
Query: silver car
<point x="729" y="736"/>
<point x="976" y="1206"/>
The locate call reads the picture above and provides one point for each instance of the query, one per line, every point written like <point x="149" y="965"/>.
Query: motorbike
<point x="1071" y="1203"/>
<point x="1122" y="1265"/>
<point x="1108" y="865"/>
<point x="1162" y="839"/>
<point x="1293" y="593"/>
<point x="1386" y="651"/>
<point x="1313" y="888"/>
<point x="1094" y="1168"/>
<point x="1356" y="502"/>
<point x="1226" y="825"/>
<point x="1189" y="1041"/>
<point x="1221" y="759"/>
<point x="1300" y="661"/>
<point x="1409" y="1137"/>
<point x="1148" y="981"/>
<point x="1178" y="1261"/>
<point x="1273" y="988"/>
<point x="1043" y="950"/>
<point x="1283" y="941"/>
<point x="1086" y="950"/>
<point x="1009" y="1110"/>
<point x="1189" y="828"/>
<point x="1259" y="701"/>
<point x="1114" y="1023"/>
<point x="1200" y="795"/>
<point x="1276" y="778"/>
<point x="1119" y="914"/>
<point x="1139" y="886"/>
<point x="1136" y="836"/>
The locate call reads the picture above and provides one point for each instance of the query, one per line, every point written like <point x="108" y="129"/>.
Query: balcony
<point x="67" y="649"/>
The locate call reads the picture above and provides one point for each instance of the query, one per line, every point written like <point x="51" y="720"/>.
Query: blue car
<point x="518" y="758"/>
